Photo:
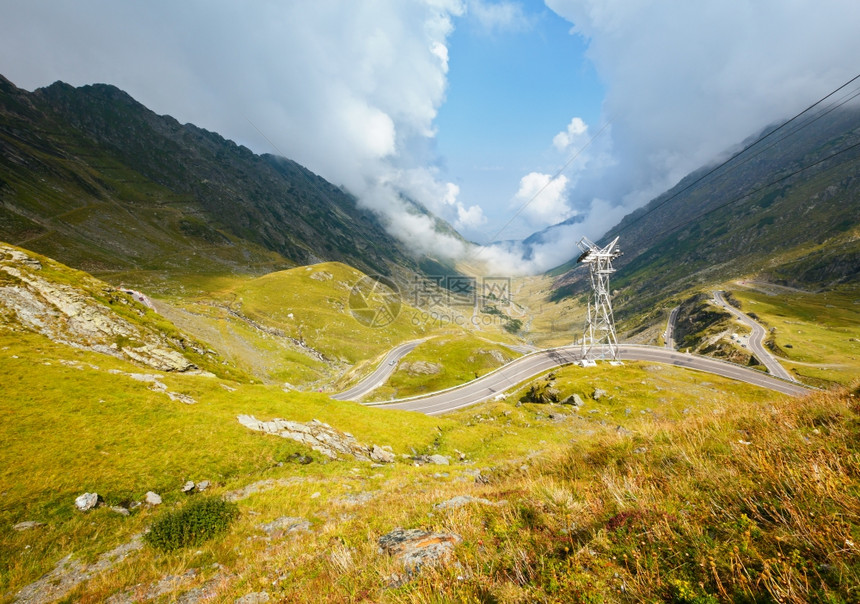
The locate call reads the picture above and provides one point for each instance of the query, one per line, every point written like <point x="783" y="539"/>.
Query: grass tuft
<point x="194" y="523"/>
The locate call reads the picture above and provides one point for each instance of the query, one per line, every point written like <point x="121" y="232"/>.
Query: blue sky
<point x="470" y="107"/>
<point x="511" y="89"/>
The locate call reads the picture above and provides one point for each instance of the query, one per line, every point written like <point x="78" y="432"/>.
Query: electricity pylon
<point x="599" y="339"/>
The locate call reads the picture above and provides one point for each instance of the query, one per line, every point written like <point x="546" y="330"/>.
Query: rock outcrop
<point x="321" y="438"/>
<point x="69" y="573"/>
<point x="420" y="368"/>
<point x="416" y="548"/>
<point x="73" y="315"/>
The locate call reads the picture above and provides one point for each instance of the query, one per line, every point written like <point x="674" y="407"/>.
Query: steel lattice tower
<point x="599" y="340"/>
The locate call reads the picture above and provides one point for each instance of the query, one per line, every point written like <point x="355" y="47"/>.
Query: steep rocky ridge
<point x="93" y="178"/>
<point x="75" y="309"/>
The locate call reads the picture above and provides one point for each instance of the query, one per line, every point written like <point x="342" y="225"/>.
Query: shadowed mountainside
<point x="789" y="207"/>
<point x="95" y="179"/>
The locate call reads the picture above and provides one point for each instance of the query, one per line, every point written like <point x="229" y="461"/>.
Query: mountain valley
<point x="180" y="319"/>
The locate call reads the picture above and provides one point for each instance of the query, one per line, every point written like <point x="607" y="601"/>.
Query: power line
<point x="736" y="155"/>
<point x="833" y="107"/>
<point x="761" y="188"/>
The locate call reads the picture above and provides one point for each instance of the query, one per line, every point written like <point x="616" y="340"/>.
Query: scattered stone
<point x="598" y="394"/>
<point x="165" y="585"/>
<point x="478" y="476"/>
<point x="381" y="454"/>
<point x="461" y="500"/>
<point x="439" y="460"/>
<point x="574" y="400"/>
<point x="206" y="592"/>
<point x="257" y="597"/>
<point x="261" y="486"/>
<point x="416" y="548"/>
<point x="188" y="487"/>
<point x="283" y="525"/>
<point x="352" y="499"/>
<point x="321" y="276"/>
<point x="118" y="509"/>
<point x="182" y="398"/>
<point x="623" y="431"/>
<point x="542" y="393"/>
<point x="302" y="459"/>
<point x="87" y="501"/>
<point x="152" y="498"/>
<point x="202" y="485"/>
<point x="27" y="525"/>
<point x="640" y="450"/>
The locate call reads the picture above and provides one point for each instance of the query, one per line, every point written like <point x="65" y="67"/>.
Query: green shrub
<point x="199" y="520"/>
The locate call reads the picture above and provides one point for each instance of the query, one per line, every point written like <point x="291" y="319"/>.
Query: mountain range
<point x="91" y="177"/>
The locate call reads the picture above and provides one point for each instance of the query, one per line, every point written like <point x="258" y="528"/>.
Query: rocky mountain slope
<point x="789" y="207"/>
<point x="94" y="179"/>
<point x="72" y="308"/>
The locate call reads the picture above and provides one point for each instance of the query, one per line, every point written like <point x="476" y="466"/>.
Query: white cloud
<point x="556" y="245"/>
<point x="469" y="218"/>
<point x="576" y="133"/>
<point x="451" y="193"/>
<point x="495" y="17"/>
<point x="543" y="199"/>
<point x="687" y="80"/>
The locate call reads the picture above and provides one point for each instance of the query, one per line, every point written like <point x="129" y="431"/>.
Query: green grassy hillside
<point x="816" y="335"/>
<point x="447" y="360"/>
<point x="676" y="489"/>
<point x="293" y="326"/>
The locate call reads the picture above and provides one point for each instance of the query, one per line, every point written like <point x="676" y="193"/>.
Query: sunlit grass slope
<point x="293" y="326"/>
<point x="75" y="421"/>
<point x="667" y="485"/>
<point x="317" y="297"/>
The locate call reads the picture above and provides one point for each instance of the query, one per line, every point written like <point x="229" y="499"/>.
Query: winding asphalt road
<point x="380" y="375"/>
<point x="756" y="341"/>
<point x="669" y="336"/>
<point x="514" y="373"/>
